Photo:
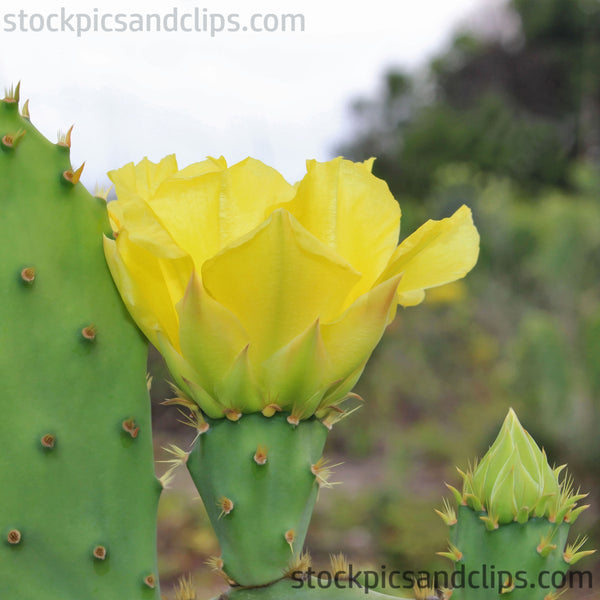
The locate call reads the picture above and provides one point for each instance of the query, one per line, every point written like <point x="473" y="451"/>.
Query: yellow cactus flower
<point x="263" y="295"/>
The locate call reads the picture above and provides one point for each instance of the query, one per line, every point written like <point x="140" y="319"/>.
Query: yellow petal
<point x="278" y="280"/>
<point x="211" y="337"/>
<point x="351" y="339"/>
<point x="142" y="180"/>
<point x="353" y="212"/>
<point x="369" y="164"/>
<point x="115" y="215"/>
<point x="437" y="253"/>
<point x="411" y="298"/>
<point x="298" y="370"/>
<point x="143" y="228"/>
<point x="210" y="165"/>
<point x="203" y="214"/>
<point x="149" y="285"/>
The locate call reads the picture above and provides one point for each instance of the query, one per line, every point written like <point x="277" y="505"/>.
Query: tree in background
<point x="523" y="104"/>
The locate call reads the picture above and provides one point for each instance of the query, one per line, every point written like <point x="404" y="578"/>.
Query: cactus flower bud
<point x="262" y="293"/>
<point x="514" y="481"/>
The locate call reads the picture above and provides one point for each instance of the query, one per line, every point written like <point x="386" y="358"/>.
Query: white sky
<point x="280" y="97"/>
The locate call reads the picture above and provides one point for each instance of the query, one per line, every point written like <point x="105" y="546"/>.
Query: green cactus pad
<point x="489" y="556"/>
<point x="268" y="500"/>
<point x="78" y="497"/>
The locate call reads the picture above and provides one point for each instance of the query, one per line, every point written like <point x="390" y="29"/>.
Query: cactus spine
<point x="79" y="495"/>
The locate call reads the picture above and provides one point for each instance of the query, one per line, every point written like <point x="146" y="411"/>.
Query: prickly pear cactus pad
<point x="508" y="538"/>
<point x="259" y="479"/>
<point x="78" y="496"/>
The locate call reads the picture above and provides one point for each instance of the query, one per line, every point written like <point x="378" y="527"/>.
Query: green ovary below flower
<point x="263" y="295"/>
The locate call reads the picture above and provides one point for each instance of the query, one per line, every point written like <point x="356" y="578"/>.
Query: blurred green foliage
<point x="523" y="105"/>
<point x="509" y="125"/>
